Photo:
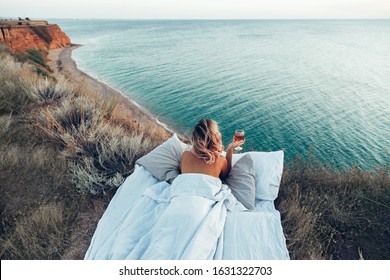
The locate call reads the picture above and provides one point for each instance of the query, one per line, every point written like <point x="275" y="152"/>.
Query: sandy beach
<point x="61" y="63"/>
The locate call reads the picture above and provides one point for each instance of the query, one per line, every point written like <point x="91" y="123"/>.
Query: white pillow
<point x="242" y="181"/>
<point x="268" y="170"/>
<point x="163" y="161"/>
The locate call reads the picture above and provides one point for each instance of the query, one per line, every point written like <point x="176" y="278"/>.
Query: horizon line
<point x="108" y="18"/>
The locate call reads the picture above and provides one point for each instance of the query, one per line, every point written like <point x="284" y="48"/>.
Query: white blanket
<point x="196" y="217"/>
<point x="184" y="220"/>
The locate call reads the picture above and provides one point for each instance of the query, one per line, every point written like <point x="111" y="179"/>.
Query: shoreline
<point x="62" y="64"/>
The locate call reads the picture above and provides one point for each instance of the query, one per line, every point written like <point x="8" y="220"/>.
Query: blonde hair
<point x="206" y="141"/>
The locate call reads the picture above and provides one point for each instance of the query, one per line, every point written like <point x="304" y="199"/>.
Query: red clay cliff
<point x="39" y="35"/>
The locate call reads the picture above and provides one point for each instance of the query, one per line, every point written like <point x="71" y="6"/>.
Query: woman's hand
<point x="229" y="155"/>
<point x="235" y="144"/>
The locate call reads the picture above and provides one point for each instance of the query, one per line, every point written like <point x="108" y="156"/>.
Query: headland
<point x="21" y="35"/>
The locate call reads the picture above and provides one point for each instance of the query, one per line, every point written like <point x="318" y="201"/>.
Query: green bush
<point x="37" y="57"/>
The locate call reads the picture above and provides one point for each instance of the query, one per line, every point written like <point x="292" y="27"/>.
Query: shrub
<point x="15" y="81"/>
<point x="20" y="86"/>
<point x="36" y="56"/>
<point x="101" y="154"/>
<point x="47" y="90"/>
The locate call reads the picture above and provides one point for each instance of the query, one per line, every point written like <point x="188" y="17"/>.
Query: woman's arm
<point x="229" y="155"/>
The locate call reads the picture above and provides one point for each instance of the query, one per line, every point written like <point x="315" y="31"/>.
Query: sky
<point x="197" y="9"/>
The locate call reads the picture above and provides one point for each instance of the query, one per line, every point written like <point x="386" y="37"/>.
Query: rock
<point x="39" y="37"/>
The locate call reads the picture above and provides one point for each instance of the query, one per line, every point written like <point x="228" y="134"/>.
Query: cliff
<point x="37" y="35"/>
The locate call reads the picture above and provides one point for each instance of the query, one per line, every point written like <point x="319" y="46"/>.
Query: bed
<point x="158" y="213"/>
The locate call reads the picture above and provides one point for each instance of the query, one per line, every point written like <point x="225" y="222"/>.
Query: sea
<point x="318" y="87"/>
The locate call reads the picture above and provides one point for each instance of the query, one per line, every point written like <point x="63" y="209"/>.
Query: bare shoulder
<point x="222" y="163"/>
<point x="222" y="160"/>
<point x="184" y="160"/>
<point x="185" y="154"/>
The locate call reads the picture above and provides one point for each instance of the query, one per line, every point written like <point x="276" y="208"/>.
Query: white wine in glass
<point x="239" y="135"/>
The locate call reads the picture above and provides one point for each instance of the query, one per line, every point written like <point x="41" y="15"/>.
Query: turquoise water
<point x="291" y="84"/>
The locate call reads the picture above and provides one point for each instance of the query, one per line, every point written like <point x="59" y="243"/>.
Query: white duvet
<point x="196" y="217"/>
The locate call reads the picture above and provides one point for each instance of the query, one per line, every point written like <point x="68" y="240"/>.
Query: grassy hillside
<point x="64" y="150"/>
<point x="332" y="214"/>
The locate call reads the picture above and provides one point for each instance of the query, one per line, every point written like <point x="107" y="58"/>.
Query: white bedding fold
<point x="184" y="220"/>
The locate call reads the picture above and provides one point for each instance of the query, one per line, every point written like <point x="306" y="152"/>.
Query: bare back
<point x="191" y="164"/>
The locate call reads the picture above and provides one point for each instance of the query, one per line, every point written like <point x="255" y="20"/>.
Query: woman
<point x="185" y="219"/>
<point x="205" y="156"/>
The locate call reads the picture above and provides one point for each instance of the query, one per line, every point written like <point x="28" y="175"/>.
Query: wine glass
<point x="239" y="135"/>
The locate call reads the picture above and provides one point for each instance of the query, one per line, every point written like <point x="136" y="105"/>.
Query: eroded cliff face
<point x="39" y="37"/>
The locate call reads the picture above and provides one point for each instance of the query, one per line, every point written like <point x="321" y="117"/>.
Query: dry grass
<point x="333" y="214"/>
<point x="14" y="96"/>
<point x="5" y="123"/>
<point x="101" y="153"/>
<point x="41" y="233"/>
<point x="33" y="186"/>
<point x="62" y="147"/>
<point x="46" y="91"/>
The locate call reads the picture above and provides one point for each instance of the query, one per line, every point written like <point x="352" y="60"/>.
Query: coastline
<point x="61" y="63"/>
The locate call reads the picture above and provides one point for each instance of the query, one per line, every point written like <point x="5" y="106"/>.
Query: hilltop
<point x="21" y="35"/>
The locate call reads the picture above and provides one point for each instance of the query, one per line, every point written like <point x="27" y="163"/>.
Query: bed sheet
<point x="248" y="235"/>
